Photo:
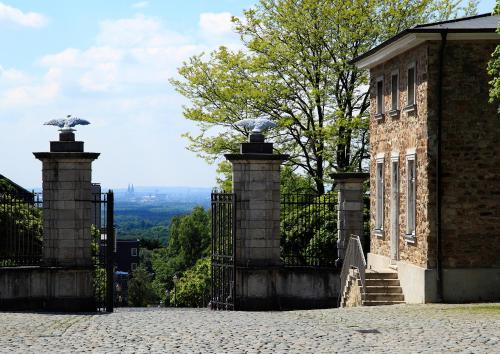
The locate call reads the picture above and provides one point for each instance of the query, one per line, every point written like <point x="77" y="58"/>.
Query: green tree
<point x="193" y="287"/>
<point x="296" y="69"/>
<point x="21" y="226"/>
<point x="140" y="289"/>
<point x="494" y="66"/>
<point x="189" y="241"/>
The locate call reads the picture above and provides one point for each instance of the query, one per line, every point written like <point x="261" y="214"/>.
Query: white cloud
<point x="215" y="24"/>
<point x="120" y="83"/>
<point x="9" y="14"/>
<point x="140" y="4"/>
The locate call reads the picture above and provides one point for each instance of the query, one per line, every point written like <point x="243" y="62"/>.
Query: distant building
<point x="127" y="255"/>
<point x="435" y="206"/>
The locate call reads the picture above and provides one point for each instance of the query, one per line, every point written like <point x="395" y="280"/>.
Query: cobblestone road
<point x="385" y="329"/>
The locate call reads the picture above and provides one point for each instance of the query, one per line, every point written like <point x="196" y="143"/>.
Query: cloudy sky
<point x="109" y="62"/>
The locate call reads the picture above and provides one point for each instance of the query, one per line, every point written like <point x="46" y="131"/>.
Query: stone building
<point x="435" y="167"/>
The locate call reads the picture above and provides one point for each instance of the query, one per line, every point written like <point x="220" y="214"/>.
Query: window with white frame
<point x="410" y="196"/>
<point x="133" y="252"/>
<point x="411" y="86"/>
<point x="133" y="266"/>
<point x="379" y="192"/>
<point x="380" y="96"/>
<point x="394" y="91"/>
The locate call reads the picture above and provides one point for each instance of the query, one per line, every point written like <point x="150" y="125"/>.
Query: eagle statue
<point x="257" y="125"/>
<point x="67" y="124"/>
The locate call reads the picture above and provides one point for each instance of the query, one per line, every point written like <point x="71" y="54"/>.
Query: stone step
<point x="384" y="297"/>
<point x="380" y="282"/>
<point x="379" y="275"/>
<point x="378" y="303"/>
<point x="384" y="289"/>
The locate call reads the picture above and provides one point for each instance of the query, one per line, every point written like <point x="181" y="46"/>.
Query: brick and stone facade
<point x="451" y="71"/>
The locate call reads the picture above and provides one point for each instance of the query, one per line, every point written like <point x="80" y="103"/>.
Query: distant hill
<point x="148" y="211"/>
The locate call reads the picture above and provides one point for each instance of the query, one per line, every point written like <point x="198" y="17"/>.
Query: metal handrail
<point x="354" y="259"/>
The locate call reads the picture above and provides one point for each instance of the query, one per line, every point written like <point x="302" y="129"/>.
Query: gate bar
<point x="110" y="245"/>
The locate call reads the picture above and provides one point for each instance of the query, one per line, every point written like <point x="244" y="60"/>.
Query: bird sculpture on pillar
<point x="67" y="124"/>
<point x="257" y="125"/>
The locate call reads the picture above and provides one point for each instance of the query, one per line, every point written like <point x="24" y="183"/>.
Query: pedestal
<point x="350" y="209"/>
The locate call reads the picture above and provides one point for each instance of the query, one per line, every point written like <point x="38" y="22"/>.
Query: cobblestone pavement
<point x="384" y="329"/>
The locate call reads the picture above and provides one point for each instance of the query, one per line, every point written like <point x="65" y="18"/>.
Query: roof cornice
<point x="413" y="37"/>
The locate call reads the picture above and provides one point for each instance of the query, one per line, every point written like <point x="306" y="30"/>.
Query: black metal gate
<point x="223" y="251"/>
<point x="103" y="249"/>
<point x="21" y="229"/>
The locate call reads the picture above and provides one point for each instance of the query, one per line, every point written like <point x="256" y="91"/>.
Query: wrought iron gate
<point x="21" y="229"/>
<point x="223" y="251"/>
<point x="103" y="249"/>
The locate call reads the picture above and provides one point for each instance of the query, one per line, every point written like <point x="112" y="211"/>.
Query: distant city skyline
<point x="108" y="62"/>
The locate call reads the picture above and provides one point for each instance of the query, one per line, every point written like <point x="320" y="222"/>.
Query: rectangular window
<point x="133" y="266"/>
<point x="410" y="197"/>
<point x="133" y="252"/>
<point x="380" y="96"/>
<point x="379" y="204"/>
<point x="411" y="85"/>
<point x="395" y="92"/>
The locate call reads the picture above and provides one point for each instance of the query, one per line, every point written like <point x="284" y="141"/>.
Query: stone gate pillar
<point x="349" y="186"/>
<point x="67" y="222"/>
<point x="256" y="183"/>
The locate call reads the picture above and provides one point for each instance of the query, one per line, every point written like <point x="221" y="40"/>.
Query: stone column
<point x="350" y="209"/>
<point x="256" y="183"/>
<point x="67" y="195"/>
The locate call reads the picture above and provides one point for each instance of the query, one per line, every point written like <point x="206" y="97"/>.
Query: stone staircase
<point x="382" y="288"/>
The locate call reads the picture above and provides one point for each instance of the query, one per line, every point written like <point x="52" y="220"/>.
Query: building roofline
<point x="423" y="29"/>
<point x="16" y="186"/>
<point x="453" y="20"/>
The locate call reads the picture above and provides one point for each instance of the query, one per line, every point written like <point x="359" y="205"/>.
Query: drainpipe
<point x="439" y="241"/>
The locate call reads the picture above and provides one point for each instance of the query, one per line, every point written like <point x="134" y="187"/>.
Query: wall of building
<point x="407" y="130"/>
<point x="470" y="158"/>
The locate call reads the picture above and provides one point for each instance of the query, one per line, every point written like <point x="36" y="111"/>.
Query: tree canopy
<point x="189" y="241"/>
<point x="295" y="68"/>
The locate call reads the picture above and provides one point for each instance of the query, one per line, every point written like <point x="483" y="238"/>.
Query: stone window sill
<point x="410" y="108"/>
<point x="410" y="238"/>
<point x="379" y="116"/>
<point x="379" y="233"/>
<point x="393" y="112"/>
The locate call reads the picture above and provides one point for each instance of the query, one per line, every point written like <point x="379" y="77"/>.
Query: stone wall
<point x="470" y="156"/>
<point x="397" y="134"/>
<point x="46" y="288"/>
<point x="281" y="288"/>
<point x="67" y="207"/>
<point x="256" y="184"/>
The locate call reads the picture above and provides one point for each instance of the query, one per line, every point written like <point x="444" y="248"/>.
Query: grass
<point x="475" y="309"/>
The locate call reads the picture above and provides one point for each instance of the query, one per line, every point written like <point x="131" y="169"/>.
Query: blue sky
<point x="109" y="62"/>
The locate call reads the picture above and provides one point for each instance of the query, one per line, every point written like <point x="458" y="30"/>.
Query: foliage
<point x="295" y="68"/>
<point x="494" y="67"/>
<point x="99" y="273"/>
<point x="309" y="229"/>
<point x="140" y="289"/>
<point x="21" y="225"/>
<point x="293" y="182"/>
<point x="149" y="244"/>
<point x="193" y="287"/>
<point x="148" y="221"/>
<point x="189" y="241"/>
